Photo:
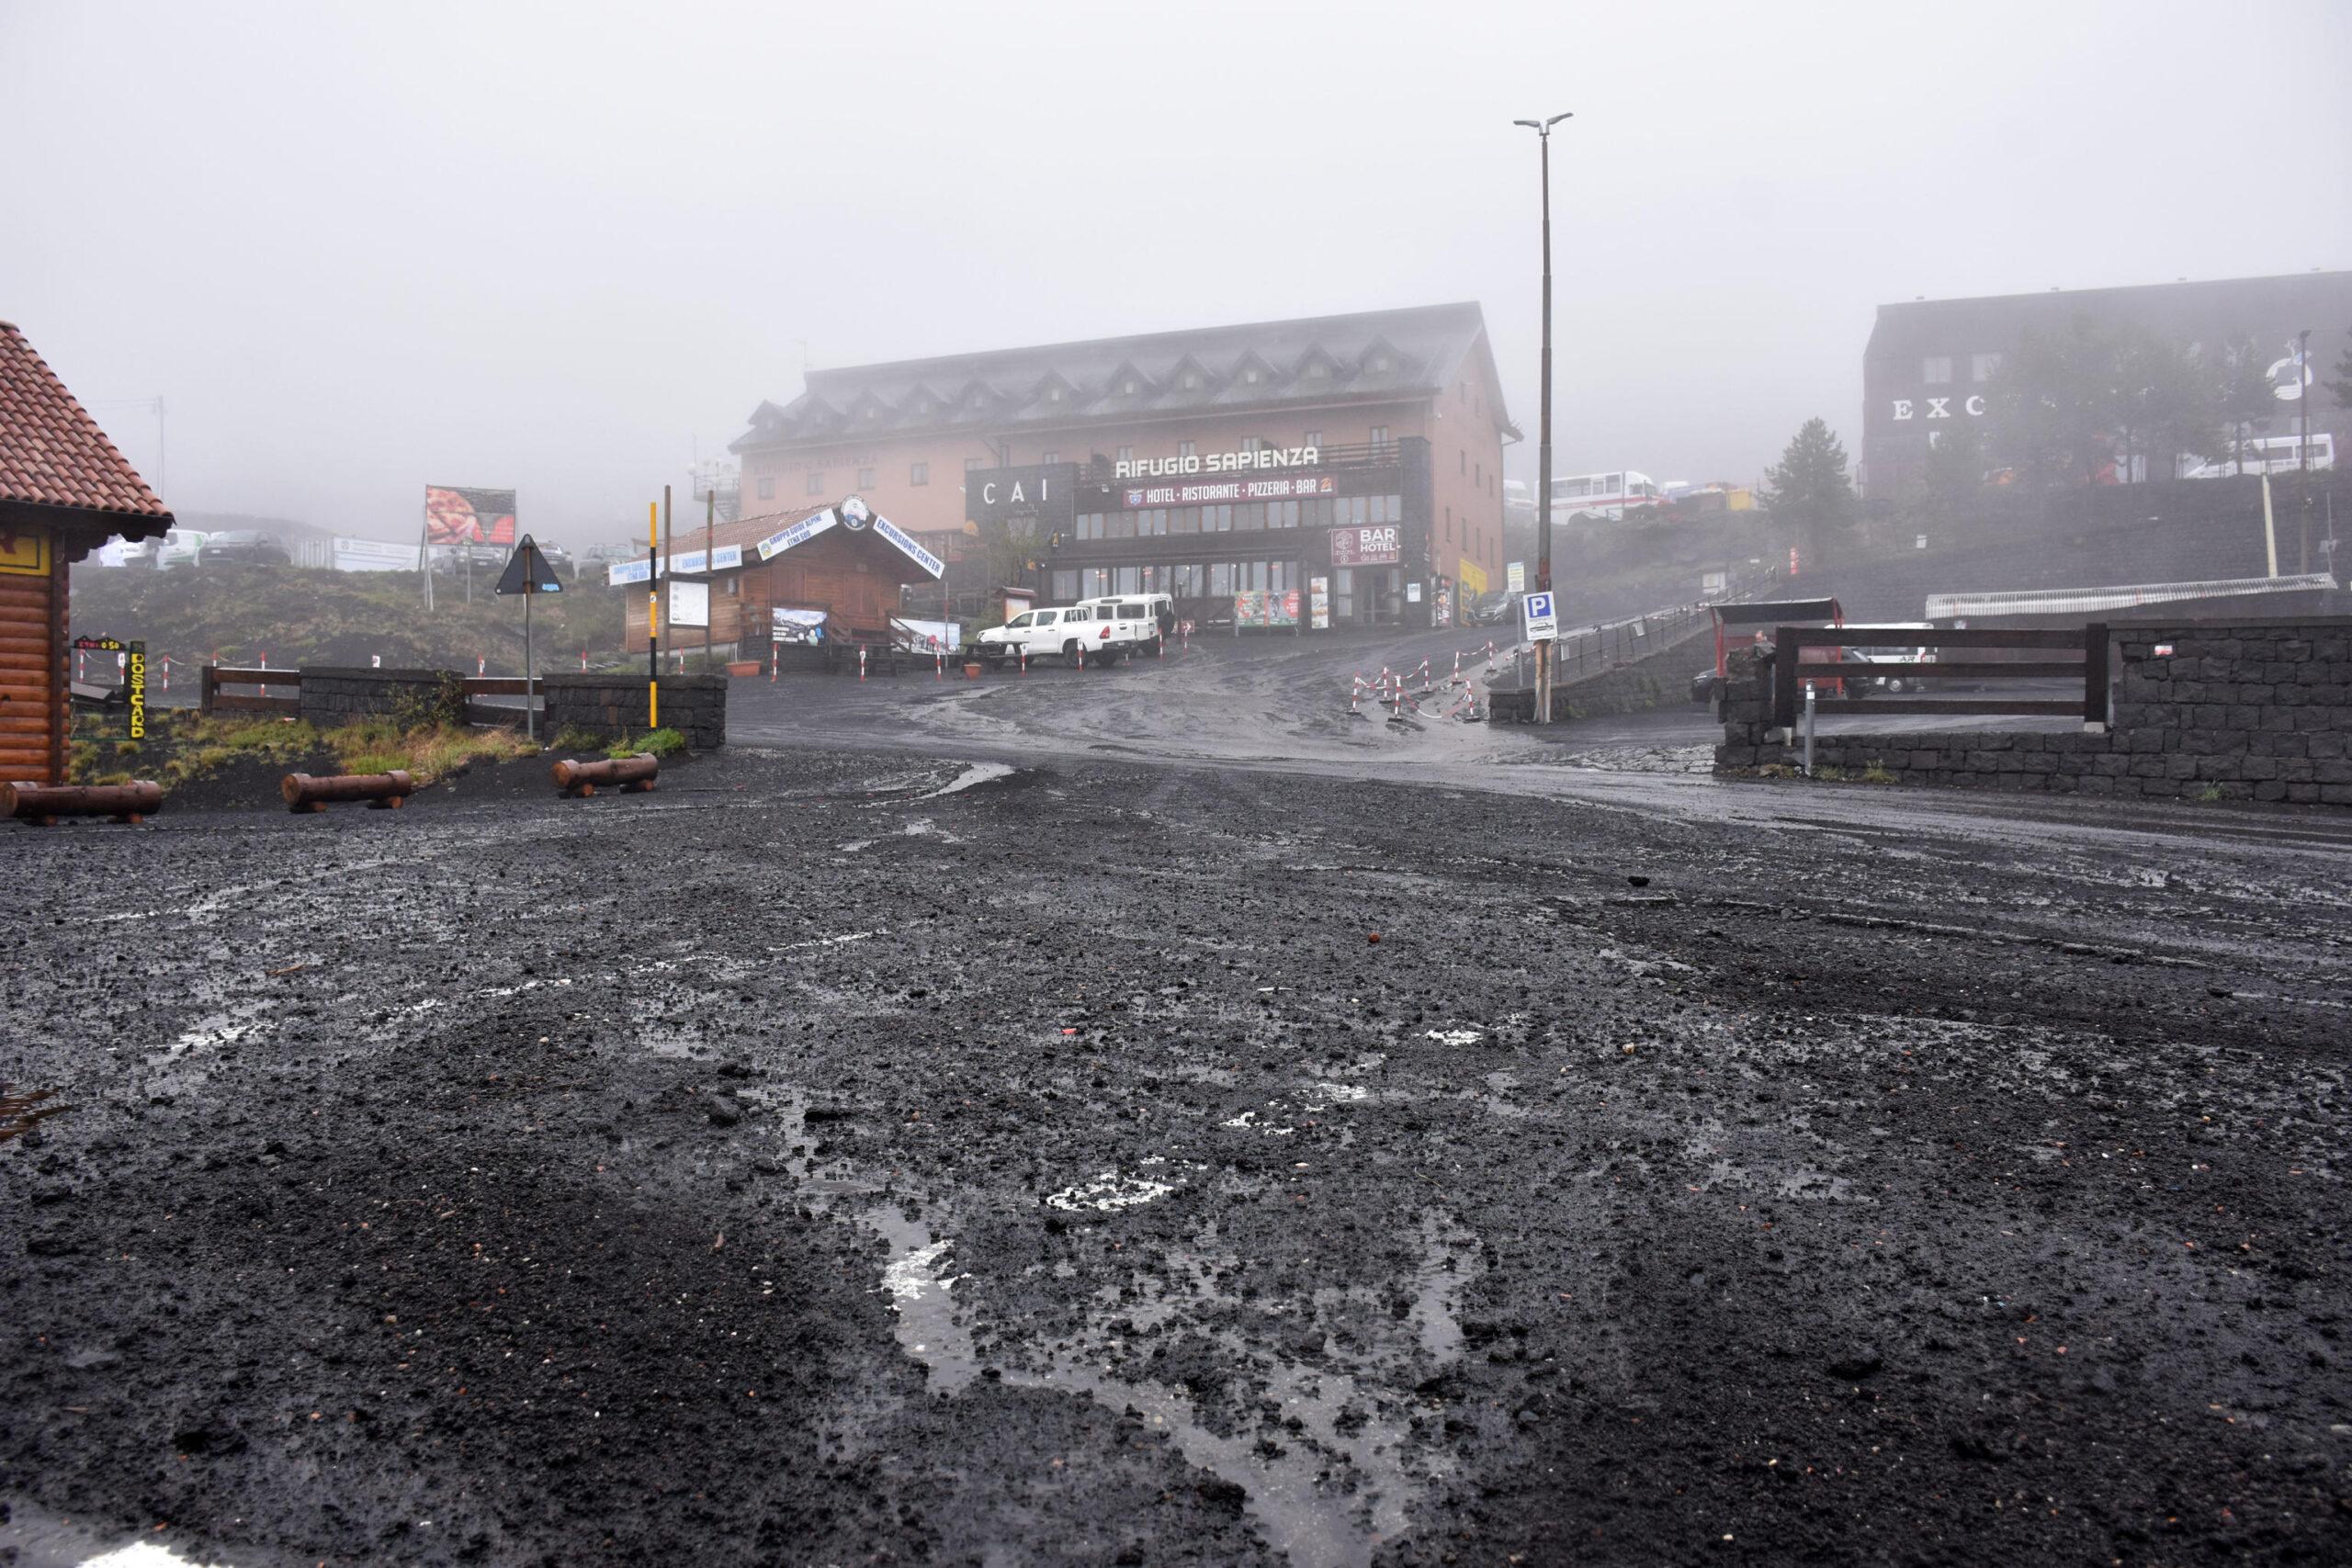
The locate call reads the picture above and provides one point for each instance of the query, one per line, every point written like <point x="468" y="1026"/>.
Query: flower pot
<point x="971" y="671"/>
<point x="744" y="666"/>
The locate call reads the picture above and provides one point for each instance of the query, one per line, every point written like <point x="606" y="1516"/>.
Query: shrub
<point x="574" y="738"/>
<point x="1829" y="775"/>
<point x="1876" y="772"/>
<point x="662" y="742"/>
<point x="2209" y="795"/>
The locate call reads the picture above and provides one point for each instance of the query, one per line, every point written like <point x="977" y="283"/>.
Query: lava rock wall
<point x="2250" y="710"/>
<point x="614" y="707"/>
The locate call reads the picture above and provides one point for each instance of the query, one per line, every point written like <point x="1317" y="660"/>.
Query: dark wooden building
<point x="836" y="567"/>
<point x="65" y="490"/>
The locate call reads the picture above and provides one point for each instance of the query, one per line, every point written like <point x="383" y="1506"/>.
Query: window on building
<point x="1184" y="448"/>
<point x="865" y="478"/>
<point x="1314" y="438"/>
<point x="1065" y="585"/>
<point x="1936" y="369"/>
<point x="1319" y="371"/>
<point x="1449" y="523"/>
<point x="972" y="464"/>
<point x="1380" y="435"/>
<point x="1127" y="388"/>
<point x="1477" y="476"/>
<point x="1127" y="453"/>
<point x="1380" y="364"/>
<point x="767" y="487"/>
<point x="1050" y="458"/>
<point x="1129" y="579"/>
<point x="815" y="482"/>
<point x="917" y="473"/>
<point x="1191" y="381"/>
<point x="1053" y="394"/>
<point x="1250" y="375"/>
<point x="1253" y="444"/>
<point x="1982" y="366"/>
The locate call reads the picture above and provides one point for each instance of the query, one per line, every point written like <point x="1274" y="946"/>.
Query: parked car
<point x="247" y="546"/>
<point x="1497" y="608"/>
<point x="1157" y="610"/>
<point x="1103" y="628"/>
<point x="450" y="560"/>
<point x="134" y="552"/>
<point x="181" y="546"/>
<point x="560" y="559"/>
<point x="1703" y="686"/>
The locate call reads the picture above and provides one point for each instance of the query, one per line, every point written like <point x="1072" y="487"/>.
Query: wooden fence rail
<point x="1791" y="671"/>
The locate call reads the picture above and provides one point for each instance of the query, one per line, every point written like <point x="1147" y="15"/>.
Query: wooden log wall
<point x="34" y="723"/>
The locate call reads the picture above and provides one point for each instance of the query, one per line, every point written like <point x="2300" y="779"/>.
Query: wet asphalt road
<point x="816" y="1162"/>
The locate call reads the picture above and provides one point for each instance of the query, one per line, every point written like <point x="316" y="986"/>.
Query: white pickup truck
<point x="1104" y="628"/>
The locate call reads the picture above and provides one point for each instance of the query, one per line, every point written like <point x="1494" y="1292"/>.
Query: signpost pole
<point x="530" y="668"/>
<point x="652" y="616"/>
<point x="710" y="573"/>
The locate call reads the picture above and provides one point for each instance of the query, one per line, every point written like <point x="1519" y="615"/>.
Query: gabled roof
<point x="1426" y="347"/>
<point x="54" y="454"/>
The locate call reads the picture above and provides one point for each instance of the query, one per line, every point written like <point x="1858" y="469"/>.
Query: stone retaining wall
<point x="2243" y="710"/>
<point x="612" y="706"/>
<point x="334" y="696"/>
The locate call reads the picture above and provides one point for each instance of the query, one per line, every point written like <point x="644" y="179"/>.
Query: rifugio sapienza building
<point x="1337" y="470"/>
<point x="1929" y="362"/>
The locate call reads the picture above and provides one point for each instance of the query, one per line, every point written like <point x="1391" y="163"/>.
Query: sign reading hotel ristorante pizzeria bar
<point x="1382" y="545"/>
<point x="1212" y="492"/>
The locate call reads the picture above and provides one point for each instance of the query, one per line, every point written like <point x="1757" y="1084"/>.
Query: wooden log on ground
<point x="634" y="775"/>
<point x="380" y="791"/>
<point x="42" y="805"/>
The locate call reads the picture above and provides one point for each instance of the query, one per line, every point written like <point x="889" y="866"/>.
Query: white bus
<point x="1603" y="495"/>
<point x="2267" y="454"/>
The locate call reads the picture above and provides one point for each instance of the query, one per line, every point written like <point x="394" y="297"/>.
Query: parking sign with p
<point x="1543" y="619"/>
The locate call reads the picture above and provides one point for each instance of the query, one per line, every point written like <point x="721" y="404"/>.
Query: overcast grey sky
<point x="362" y="247"/>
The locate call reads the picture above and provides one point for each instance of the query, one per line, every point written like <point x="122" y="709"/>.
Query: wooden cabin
<point x="65" y="490"/>
<point x="850" y="570"/>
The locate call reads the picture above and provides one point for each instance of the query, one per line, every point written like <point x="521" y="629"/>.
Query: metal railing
<point x="1792" y="671"/>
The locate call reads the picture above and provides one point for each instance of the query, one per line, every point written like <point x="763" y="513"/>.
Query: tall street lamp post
<point x="1542" y="129"/>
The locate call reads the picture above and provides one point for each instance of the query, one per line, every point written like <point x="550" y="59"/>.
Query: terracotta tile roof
<point x="54" y="454"/>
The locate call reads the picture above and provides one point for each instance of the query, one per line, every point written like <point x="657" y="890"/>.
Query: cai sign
<point x="1382" y="545"/>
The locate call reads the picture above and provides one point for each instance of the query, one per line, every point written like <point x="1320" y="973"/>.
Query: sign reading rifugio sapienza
<point x="1217" y="463"/>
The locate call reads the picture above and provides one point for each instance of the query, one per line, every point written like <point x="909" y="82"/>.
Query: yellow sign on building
<point x="24" y="552"/>
<point x="1473" y="577"/>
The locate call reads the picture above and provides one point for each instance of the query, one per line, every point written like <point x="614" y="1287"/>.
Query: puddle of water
<point x="39" y="1538"/>
<point x="1456" y="1036"/>
<point x="975" y="774"/>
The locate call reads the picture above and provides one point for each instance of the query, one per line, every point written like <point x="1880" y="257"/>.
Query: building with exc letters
<point x="1339" y="470"/>
<point x="1929" y="363"/>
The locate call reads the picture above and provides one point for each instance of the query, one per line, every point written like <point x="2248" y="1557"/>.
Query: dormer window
<point x="1191" y="381"/>
<point x="1319" y="371"/>
<point x="1053" y="394"/>
<point x="1380" y="366"/>
<point x="1250" y="375"/>
<point x="1127" y="388"/>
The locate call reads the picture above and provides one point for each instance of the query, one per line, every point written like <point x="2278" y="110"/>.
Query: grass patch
<point x="1829" y="775"/>
<point x="2210" y="795"/>
<point x="572" y="737"/>
<point x="1876" y="772"/>
<point x="181" y="748"/>
<point x="662" y="742"/>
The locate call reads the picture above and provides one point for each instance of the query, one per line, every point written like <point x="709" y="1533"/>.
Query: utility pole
<point x="710" y="571"/>
<point x="669" y="538"/>
<point x="1542" y="130"/>
<point x="2304" y="445"/>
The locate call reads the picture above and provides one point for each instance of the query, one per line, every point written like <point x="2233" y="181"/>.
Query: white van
<point x="1146" y="620"/>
